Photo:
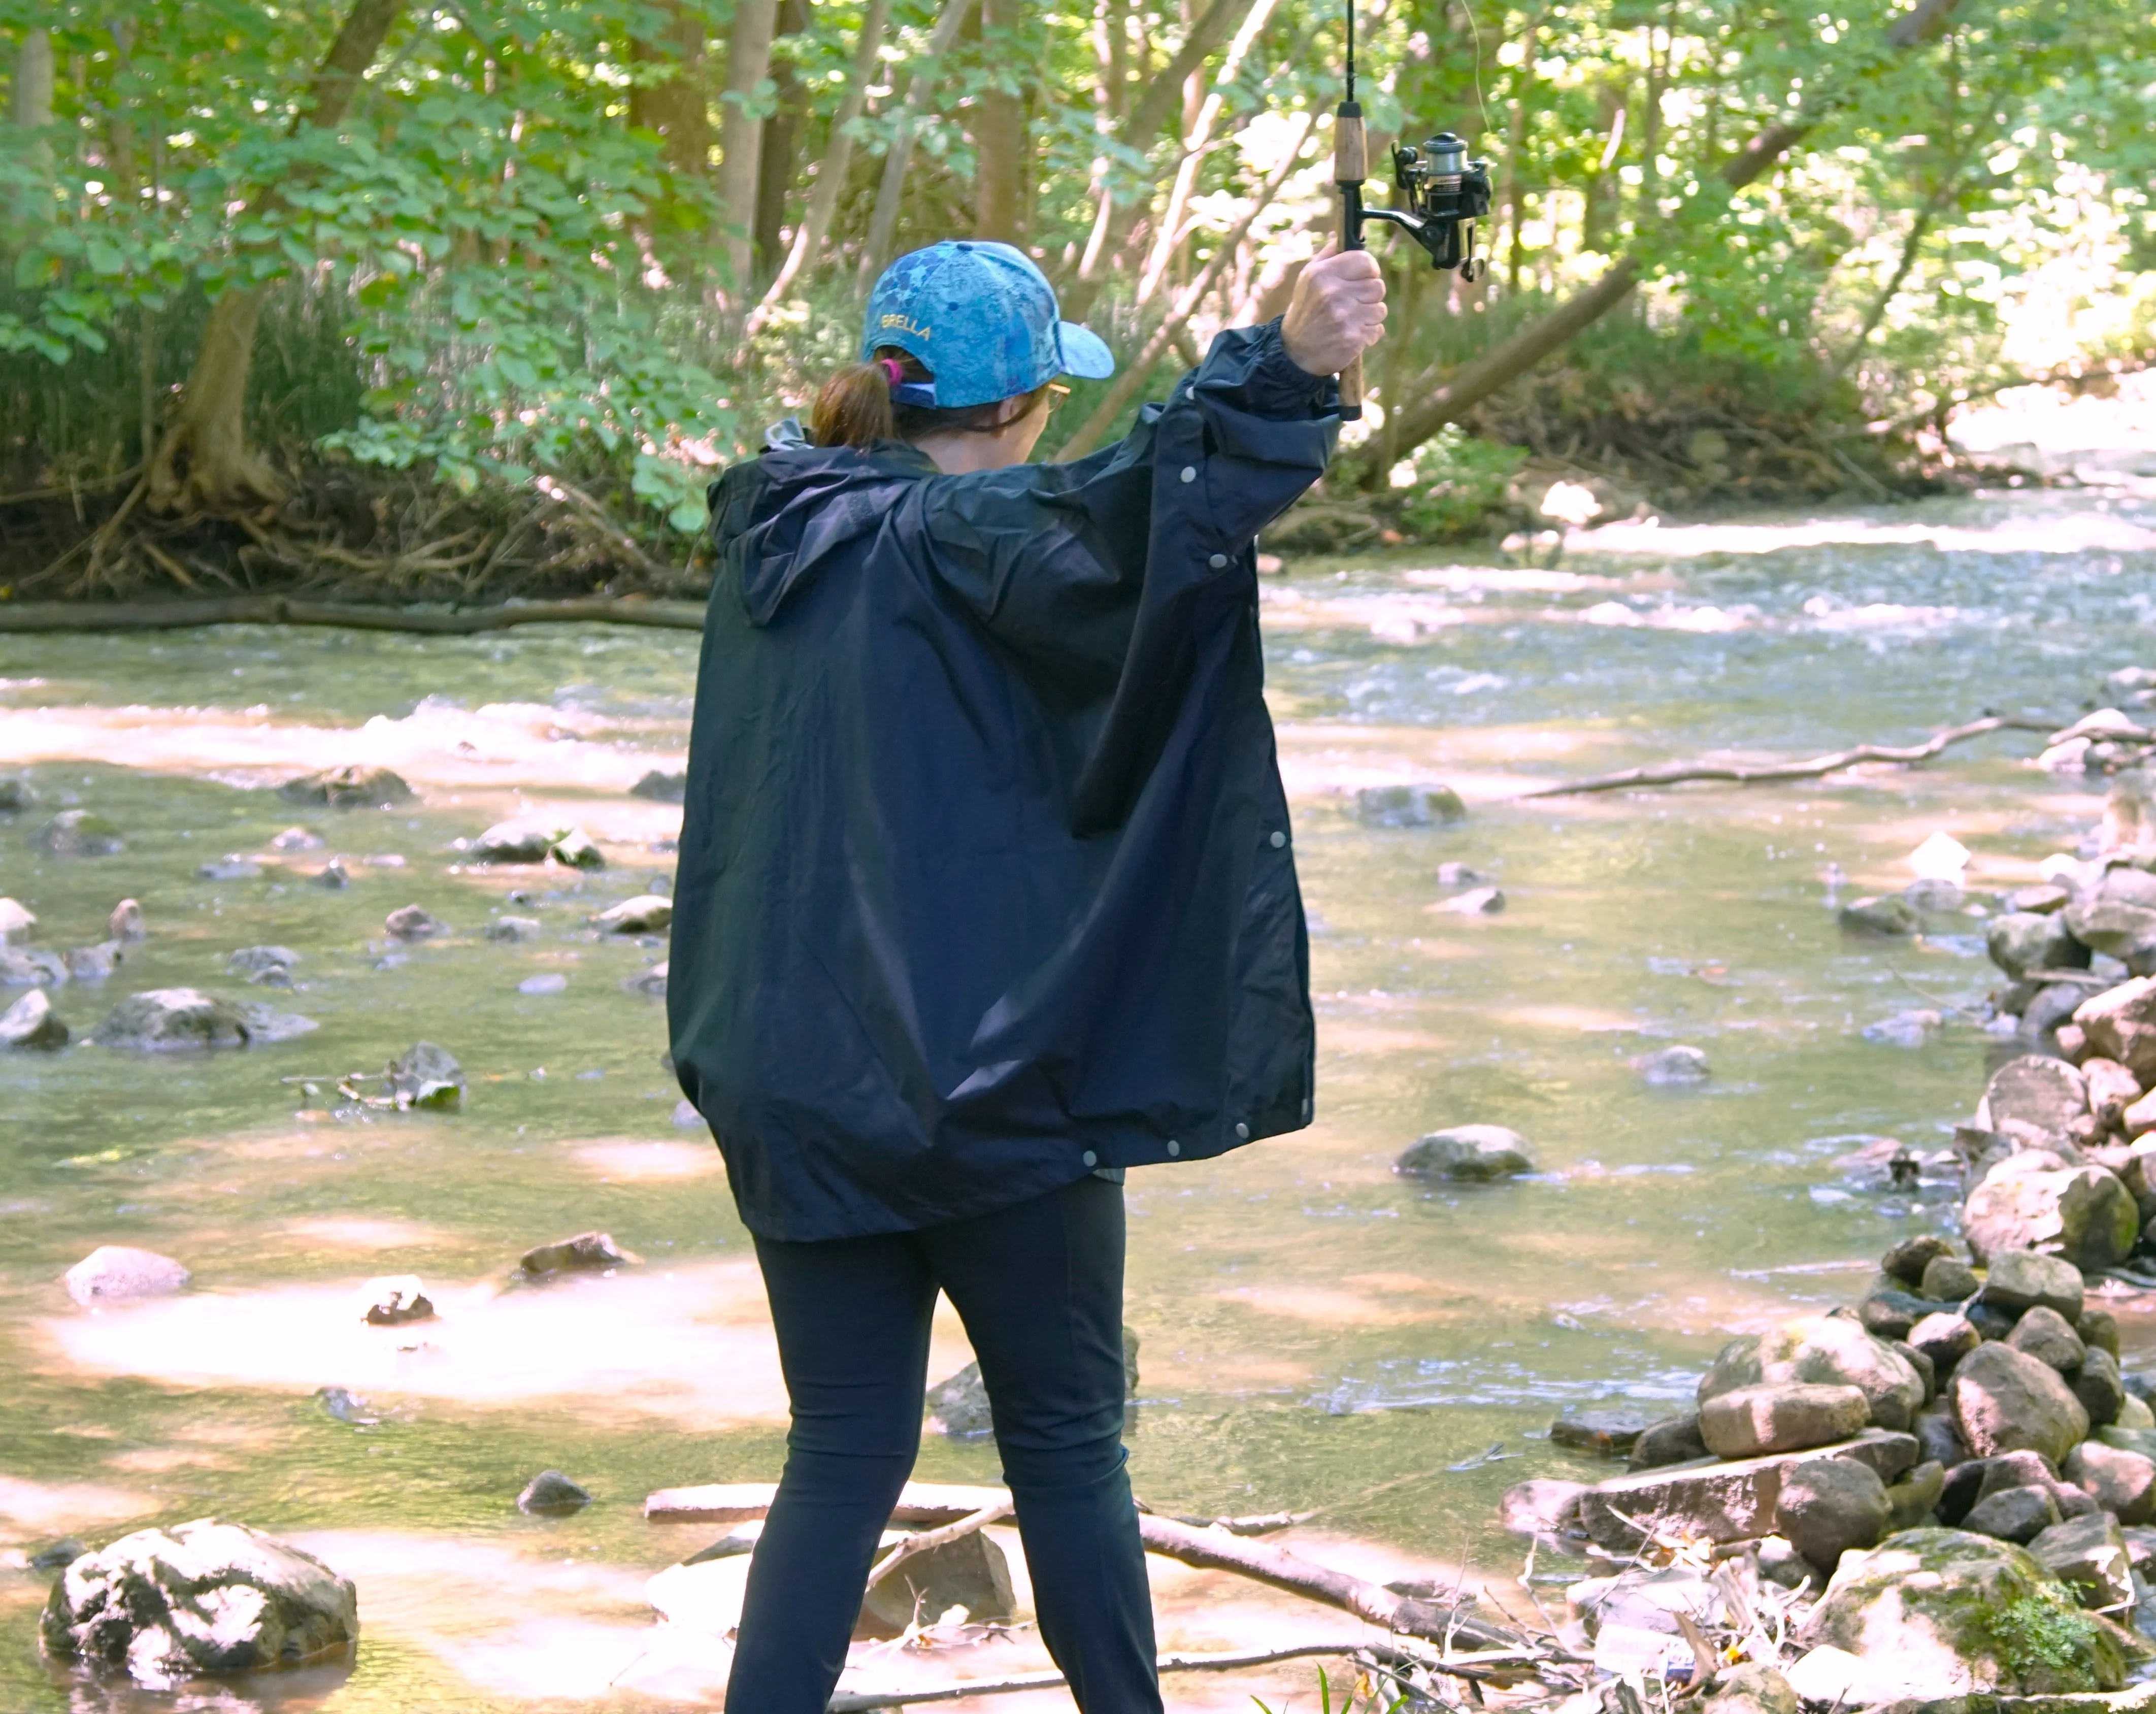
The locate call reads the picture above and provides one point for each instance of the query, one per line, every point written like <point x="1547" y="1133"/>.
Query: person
<point x="985" y="895"/>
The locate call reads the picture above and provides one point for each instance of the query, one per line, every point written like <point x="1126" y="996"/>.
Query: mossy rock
<point x="1968" y="1614"/>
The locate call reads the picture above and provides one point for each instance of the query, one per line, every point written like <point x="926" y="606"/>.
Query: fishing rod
<point x="1440" y="196"/>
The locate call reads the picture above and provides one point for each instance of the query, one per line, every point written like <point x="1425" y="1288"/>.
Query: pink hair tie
<point x="892" y="371"/>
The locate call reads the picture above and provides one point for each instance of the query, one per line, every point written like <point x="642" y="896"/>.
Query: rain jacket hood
<point x="985" y="879"/>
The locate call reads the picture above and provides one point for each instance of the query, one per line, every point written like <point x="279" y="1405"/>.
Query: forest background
<point x="466" y="301"/>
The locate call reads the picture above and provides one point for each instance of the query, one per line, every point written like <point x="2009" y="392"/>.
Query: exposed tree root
<point x="1670" y="773"/>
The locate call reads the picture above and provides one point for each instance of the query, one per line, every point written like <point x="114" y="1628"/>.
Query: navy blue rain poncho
<point x="985" y="878"/>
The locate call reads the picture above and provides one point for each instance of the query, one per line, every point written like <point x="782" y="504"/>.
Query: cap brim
<point x="1086" y="354"/>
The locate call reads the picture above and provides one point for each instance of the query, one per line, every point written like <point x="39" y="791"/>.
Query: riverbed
<point x="1318" y="1333"/>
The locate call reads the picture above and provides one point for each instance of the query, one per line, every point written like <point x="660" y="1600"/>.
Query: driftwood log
<point x="41" y="617"/>
<point x="1672" y="773"/>
<point x="938" y="1505"/>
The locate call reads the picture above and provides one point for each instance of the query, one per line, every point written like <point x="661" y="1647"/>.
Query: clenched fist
<point x="1338" y="311"/>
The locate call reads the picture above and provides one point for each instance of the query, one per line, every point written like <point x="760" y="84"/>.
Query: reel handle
<point x="1351" y="167"/>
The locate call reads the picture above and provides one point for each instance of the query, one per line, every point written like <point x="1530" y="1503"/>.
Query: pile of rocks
<point x="1955" y="1463"/>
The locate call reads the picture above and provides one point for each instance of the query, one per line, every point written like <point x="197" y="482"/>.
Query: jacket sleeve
<point x="1055" y="558"/>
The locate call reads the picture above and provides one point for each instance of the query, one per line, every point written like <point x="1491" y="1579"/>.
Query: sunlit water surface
<point x="1318" y="1333"/>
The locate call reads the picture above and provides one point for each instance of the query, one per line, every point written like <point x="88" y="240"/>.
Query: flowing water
<point x="1317" y="1332"/>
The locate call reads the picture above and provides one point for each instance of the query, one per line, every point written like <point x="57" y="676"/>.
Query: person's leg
<point x="1040" y="1288"/>
<point x="852" y="1317"/>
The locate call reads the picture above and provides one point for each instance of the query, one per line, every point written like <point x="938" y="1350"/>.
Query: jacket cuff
<point x="1277" y="387"/>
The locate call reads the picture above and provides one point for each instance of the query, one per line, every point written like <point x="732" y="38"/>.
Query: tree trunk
<point x="883" y="223"/>
<point x="740" y="141"/>
<point x="204" y="462"/>
<point x="1472" y="382"/>
<point x="34" y="80"/>
<point x="831" y="174"/>
<point x="675" y="108"/>
<point x="1161" y="94"/>
<point x="782" y="148"/>
<point x="999" y="129"/>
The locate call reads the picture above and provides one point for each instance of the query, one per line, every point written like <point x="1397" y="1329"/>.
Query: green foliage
<point x="1361" y="1695"/>
<point x="1458" y="482"/>
<point x="2040" y="1633"/>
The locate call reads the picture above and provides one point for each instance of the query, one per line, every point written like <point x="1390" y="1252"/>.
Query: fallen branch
<point x="931" y="1503"/>
<point x="1672" y="773"/>
<point x="56" y="616"/>
<point x="927" y="1541"/>
<point x="858" y="1702"/>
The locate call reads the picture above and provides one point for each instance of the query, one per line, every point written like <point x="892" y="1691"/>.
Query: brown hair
<point x="855" y="407"/>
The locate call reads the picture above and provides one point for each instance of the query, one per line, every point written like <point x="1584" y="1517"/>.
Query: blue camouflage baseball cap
<point x="982" y="320"/>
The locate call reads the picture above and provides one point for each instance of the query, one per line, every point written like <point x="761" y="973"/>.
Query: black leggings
<point x="1039" y="1287"/>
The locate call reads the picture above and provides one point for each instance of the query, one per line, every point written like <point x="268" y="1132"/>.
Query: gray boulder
<point x="513" y="929"/>
<point x="1673" y="1065"/>
<point x="577" y="849"/>
<point x="1831" y="1350"/>
<point x="27" y="966"/>
<point x="1948" y="1279"/>
<point x="1605" y="1433"/>
<point x="1727" y="1502"/>
<point x="1909" y="1260"/>
<point x="2089" y="1556"/>
<point x="549" y="1493"/>
<point x="1408" y="806"/>
<point x="126" y="922"/>
<point x="2109" y="922"/>
<point x="2036" y="1090"/>
<point x="2006" y="1402"/>
<point x="259" y="961"/>
<point x="586" y="1253"/>
<point x="1830" y="1505"/>
<point x="205" y="1599"/>
<point x="31" y="1023"/>
<point x="425" y="1075"/>
<point x="173" y="1021"/>
<point x="970" y="1572"/>
<point x="1544" y="1507"/>
<point x="1788" y="1416"/>
<point x="97" y="963"/>
<point x="2099" y="1386"/>
<point x="2113" y="1088"/>
<point x="2122" y="1483"/>
<point x="2120" y="1024"/>
<point x="2018" y="1280"/>
<point x="960" y="1403"/>
<point x="2048" y="1336"/>
<point x="1939" y="1435"/>
<point x="352" y="786"/>
<point x="660" y="787"/>
<point x="113" y="1273"/>
<point x="1910" y="1501"/>
<point x="514" y="842"/>
<point x="1892" y="915"/>
<point x="16" y="920"/>
<point x="1928" y="1607"/>
<point x="2082" y="1213"/>
<point x="2017" y="1515"/>
<point x="2020" y="941"/>
<point x="409" y="922"/>
<point x="645" y="914"/>
<point x="1675" y="1439"/>
<point x="78" y="833"/>
<point x="1476" y="1152"/>
<point x="2099" y="1330"/>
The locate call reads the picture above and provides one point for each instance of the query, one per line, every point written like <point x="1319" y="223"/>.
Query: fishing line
<point x="1474" y="29"/>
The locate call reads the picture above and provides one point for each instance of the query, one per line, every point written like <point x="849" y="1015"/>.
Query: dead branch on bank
<point x="37" y="618"/>
<point x="1677" y="772"/>
<point x="927" y="1541"/>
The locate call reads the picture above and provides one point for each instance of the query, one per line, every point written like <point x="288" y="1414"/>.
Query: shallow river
<point x="1318" y="1333"/>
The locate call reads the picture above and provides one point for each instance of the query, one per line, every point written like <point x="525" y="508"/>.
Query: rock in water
<point x="1675" y="1439"/>
<point x="259" y="961"/>
<point x="1732" y="1502"/>
<point x="173" y="1020"/>
<point x="1546" y="1507"/>
<point x="204" y="1599"/>
<point x="395" y="1299"/>
<point x="2020" y="1279"/>
<point x="16" y="796"/>
<point x="425" y="1075"/>
<point x="1408" y="806"/>
<point x="1908" y="1260"/>
<point x="27" y="966"/>
<point x="588" y="1252"/>
<point x="549" y="1493"/>
<point x="1879" y="917"/>
<point x="230" y="867"/>
<point x="1831" y="1350"/>
<point x="126" y="922"/>
<point x="661" y="787"/>
<point x="1477" y="1152"/>
<point x="2121" y="1482"/>
<point x="1788" y="1416"/>
<point x="411" y="923"/>
<point x="1829" y="1506"/>
<point x="333" y="875"/>
<point x="651" y="982"/>
<point x="970" y="1572"/>
<point x="2033" y="1090"/>
<point x="95" y="964"/>
<point x="113" y="1273"/>
<point x="513" y="842"/>
<point x="2082" y="1213"/>
<point x="2089" y="1556"/>
<point x="577" y="849"/>
<point x="513" y="929"/>
<point x="15" y="919"/>
<point x="2120" y="1024"/>
<point x="1944" y="1613"/>
<point x="2005" y="1401"/>
<point x="645" y="914"/>
<point x="1608" y="1433"/>
<point x="1478" y="901"/>
<point x="352" y="786"/>
<point x="961" y="1403"/>
<point x="296" y="838"/>
<point x="1677" y="1064"/>
<point x="31" y="1023"/>
<point x="2020" y="941"/>
<point x="78" y="833"/>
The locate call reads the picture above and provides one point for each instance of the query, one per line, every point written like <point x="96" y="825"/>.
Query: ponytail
<point x="854" y="408"/>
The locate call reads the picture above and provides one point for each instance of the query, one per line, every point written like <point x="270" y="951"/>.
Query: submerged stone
<point x="550" y="1493"/>
<point x="1606" y="1432"/>
<point x="80" y="833"/>
<point x="645" y="914"/>
<point x="113" y="1273"/>
<point x="588" y="1252"/>
<point x="31" y="1023"/>
<point x="354" y="785"/>
<point x="1408" y="806"/>
<point x="2082" y="1213"/>
<point x="660" y="787"/>
<point x="1473" y="1152"/>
